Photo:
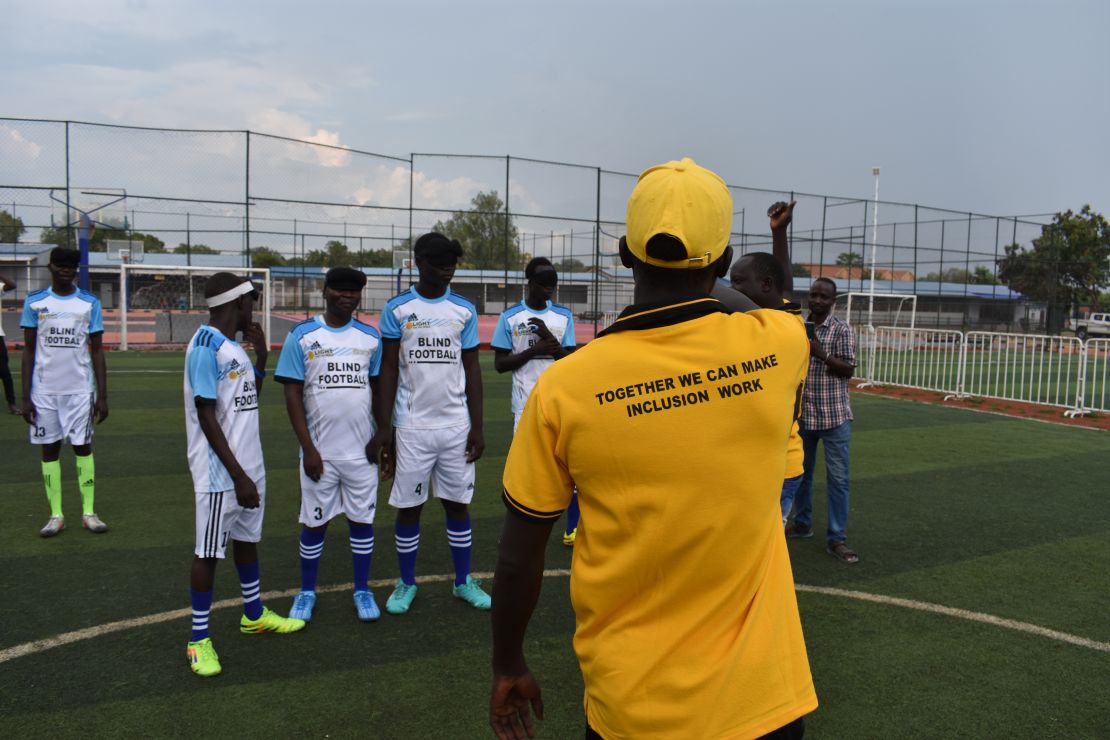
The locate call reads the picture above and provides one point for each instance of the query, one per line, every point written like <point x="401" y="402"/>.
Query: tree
<point x="10" y="228"/>
<point x="849" y="259"/>
<point x="487" y="233"/>
<point x="98" y="239"/>
<point x="798" y="270"/>
<point x="951" y="275"/>
<point x="983" y="276"/>
<point x="266" y="257"/>
<point x="57" y="237"/>
<point x="571" y="265"/>
<point x="194" y="249"/>
<point x="1069" y="263"/>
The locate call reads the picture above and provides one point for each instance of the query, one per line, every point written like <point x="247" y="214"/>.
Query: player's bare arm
<point x="780" y="215"/>
<point x="256" y="337"/>
<point x="27" y="367"/>
<point x="294" y="407"/>
<point x="381" y="421"/>
<point x="246" y="493"/>
<point x="515" y="694"/>
<point x="100" y="368"/>
<point x="505" y="361"/>
<point x="475" y="438"/>
<point x="381" y="444"/>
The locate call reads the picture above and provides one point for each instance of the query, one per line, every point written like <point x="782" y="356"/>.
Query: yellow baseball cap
<point x="686" y="201"/>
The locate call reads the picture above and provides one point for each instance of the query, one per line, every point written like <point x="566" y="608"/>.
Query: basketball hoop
<point x="124" y="256"/>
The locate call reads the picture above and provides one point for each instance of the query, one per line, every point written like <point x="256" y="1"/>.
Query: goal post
<point x="163" y="305"/>
<point x="864" y="312"/>
<point x="879" y="309"/>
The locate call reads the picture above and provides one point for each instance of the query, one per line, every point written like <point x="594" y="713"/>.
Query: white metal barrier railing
<point x="1095" y="394"/>
<point x="1053" y="371"/>
<point x="1032" y="368"/>
<point x="928" y="359"/>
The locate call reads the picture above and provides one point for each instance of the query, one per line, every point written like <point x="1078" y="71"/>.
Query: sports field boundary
<point x="69" y="638"/>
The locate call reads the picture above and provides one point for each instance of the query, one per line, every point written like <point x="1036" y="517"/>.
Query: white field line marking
<point x="68" y="638"/>
<point x="949" y="611"/>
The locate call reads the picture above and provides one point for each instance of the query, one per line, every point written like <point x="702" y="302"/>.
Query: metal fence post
<point x="247" y="201"/>
<point x="1081" y="385"/>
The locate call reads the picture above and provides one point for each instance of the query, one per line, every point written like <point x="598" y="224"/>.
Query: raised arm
<point x="257" y="338"/>
<point x="780" y="215"/>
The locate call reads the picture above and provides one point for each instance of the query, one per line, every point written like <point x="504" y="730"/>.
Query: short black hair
<point x="221" y="282"/>
<point x="826" y="280"/>
<point x="65" y="257"/>
<point x="435" y="243"/>
<point x="535" y="264"/>
<point x="767" y="267"/>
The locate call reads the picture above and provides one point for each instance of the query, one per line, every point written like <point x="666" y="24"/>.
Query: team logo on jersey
<point x="232" y="371"/>
<point x="523" y="329"/>
<point x="415" y="322"/>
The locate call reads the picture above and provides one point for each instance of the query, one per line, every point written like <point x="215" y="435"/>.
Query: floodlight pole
<point x="874" y="244"/>
<point x="872" y="335"/>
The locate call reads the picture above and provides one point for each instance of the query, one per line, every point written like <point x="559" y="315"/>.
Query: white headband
<point x="230" y="295"/>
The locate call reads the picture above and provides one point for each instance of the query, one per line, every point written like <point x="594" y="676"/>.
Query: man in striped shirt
<point x="827" y="418"/>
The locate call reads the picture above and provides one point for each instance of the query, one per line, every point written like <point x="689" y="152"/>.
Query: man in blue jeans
<point x="826" y="416"/>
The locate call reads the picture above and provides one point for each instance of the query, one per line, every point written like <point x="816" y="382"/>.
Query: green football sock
<point x="52" y="479"/>
<point x="86" y="481"/>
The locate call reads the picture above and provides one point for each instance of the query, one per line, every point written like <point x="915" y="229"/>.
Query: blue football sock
<point x="312" y="547"/>
<point x="249" y="585"/>
<point x="362" y="549"/>
<point x="572" y="513"/>
<point x="202" y="605"/>
<point x="458" y="537"/>
<point x="407" y="539"/>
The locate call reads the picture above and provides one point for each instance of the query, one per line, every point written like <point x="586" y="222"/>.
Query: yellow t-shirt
<point x="673" y="426"/>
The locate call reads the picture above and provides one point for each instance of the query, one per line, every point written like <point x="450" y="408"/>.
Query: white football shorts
<point x="220" y="518"/>
<point x="516" y="420"/>
<point x="438" y="455"/>
<point x="349" y="487"/>
<point x="68" y="417"/>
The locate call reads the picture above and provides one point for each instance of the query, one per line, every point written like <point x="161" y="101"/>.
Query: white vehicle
<point x="1095" y="325"/>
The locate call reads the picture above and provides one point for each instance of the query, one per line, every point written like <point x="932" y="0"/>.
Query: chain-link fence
<point x="239" y="198"/>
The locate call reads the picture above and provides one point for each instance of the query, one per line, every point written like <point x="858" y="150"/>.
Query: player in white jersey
<point x="62" y="352"/>
<point x="6" y="284"/>
<point x="225" y="460"/>
<point x="529" y="337"/>
<point x="431" y="385"/>
<point x="329" y="366"/>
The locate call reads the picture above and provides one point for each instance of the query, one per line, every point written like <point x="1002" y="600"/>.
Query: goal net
<point x="162" y="306"/>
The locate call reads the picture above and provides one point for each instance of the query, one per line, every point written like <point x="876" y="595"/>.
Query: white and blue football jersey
<point x="64" y="322"/>
<point x="218" y="369"/>
<point x="335" y="366"/>
<point x="515" y="334"/>
<point x="431" y="388"/>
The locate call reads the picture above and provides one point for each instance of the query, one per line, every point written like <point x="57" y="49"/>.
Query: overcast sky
<point x="994" y="107"/>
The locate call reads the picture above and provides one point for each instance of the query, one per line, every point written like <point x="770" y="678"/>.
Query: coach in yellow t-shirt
<point x="687" y="622"/>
